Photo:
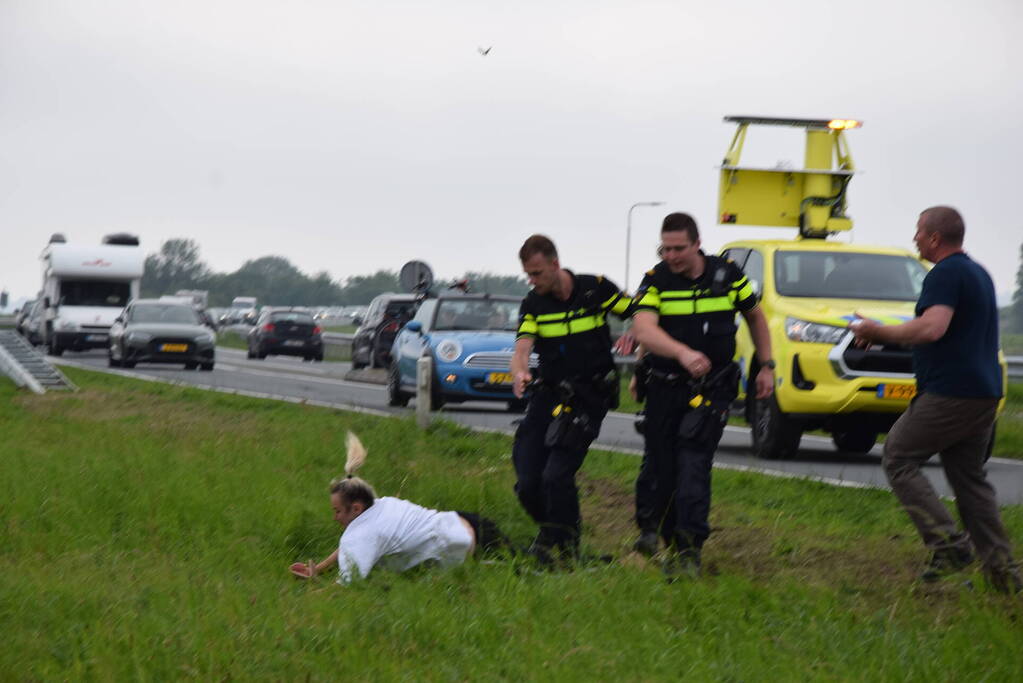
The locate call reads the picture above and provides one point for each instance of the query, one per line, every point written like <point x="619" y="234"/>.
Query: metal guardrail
<point x="342" y="338"/>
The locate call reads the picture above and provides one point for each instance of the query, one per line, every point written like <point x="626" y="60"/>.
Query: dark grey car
<point x="152" y="331"/>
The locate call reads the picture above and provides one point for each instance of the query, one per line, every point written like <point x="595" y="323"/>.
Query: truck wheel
<point x="208" y="367"/>
<point x="53" y="348"/>
<point x="775" y="435"/>
<point x="854" y="440"/>
<point x="395" y="396"/>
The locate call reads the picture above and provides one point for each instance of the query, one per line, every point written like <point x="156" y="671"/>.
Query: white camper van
<point x="85" y="288"/>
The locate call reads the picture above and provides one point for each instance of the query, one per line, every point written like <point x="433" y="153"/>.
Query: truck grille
<point x="887" y="361"/>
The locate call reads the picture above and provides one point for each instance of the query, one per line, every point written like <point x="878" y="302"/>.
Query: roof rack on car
<point x="812" y="198"/>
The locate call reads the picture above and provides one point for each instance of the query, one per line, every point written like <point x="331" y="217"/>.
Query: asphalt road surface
<point x="325" y="383"/>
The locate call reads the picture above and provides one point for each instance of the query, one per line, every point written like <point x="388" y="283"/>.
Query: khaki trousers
<point x="958" y="430"/>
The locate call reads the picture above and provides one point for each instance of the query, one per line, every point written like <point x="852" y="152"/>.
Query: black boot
<point x="945" y="561"/>
<point x="647" y="544"/>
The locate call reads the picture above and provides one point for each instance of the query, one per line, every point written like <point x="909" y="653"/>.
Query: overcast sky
<point x="351" y="136"/>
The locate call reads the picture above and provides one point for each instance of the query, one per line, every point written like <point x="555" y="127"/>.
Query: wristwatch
<point x="769" y="364"/>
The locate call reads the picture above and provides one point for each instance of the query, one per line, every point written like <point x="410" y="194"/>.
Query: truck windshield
<point x="848" y="275"/>
<point x="94" y="293"/>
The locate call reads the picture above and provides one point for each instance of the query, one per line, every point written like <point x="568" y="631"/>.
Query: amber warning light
<point x="843" y="124"/>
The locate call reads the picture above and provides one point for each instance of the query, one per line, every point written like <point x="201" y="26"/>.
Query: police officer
<point x="684" y="318"/>
<point x="564" y="318"/>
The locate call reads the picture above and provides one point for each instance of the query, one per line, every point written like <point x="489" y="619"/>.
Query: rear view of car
<point x="286" y="332"/>
<point x="371" y="345"/>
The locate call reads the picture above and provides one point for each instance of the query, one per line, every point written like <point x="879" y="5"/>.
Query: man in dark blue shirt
<point x="959" y="383"/>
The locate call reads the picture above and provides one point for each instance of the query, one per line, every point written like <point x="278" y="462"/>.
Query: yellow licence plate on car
<point x="896" y="391"/>
<point x="174" y="347"/>
<point x="499" y="378"/>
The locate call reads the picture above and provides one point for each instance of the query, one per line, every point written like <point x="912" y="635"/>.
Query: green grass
<point x="346" y="329"/>
<point x="145" y="530"/>
<point x="234" y="340"/>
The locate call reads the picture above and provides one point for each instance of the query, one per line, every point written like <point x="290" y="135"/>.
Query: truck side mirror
<point x="414" y="326"/>
<point x="757" y="289"/>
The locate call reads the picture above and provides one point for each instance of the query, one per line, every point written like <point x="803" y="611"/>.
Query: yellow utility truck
<point x="810" y="288"/>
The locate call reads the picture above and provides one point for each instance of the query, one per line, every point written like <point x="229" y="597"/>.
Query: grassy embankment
<point x="146" y="530"/>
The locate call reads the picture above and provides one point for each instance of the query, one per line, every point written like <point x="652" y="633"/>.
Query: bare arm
<point x="309" y="570"/>
<point x="655" y="340"/>
<point x="520" y="365"/>
<point x="757" y="323"/>
<point x="929" y="327"/>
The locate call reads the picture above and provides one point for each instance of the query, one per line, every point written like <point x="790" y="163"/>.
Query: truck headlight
<point x="817" y="333"/>
<point x="67" y="325"/>
<point x="449" y="350"/>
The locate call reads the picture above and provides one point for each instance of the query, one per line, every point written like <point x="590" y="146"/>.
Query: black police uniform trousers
<point x="546" y="474"/>
<point x="673" y="486"/>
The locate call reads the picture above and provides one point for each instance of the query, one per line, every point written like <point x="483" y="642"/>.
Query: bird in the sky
<point x="484" y="51"/>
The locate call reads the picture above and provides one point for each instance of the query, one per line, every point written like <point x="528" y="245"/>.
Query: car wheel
<point x="261" y="354"/>
<point x="250" y="355"/>
<point x="208" y="367"/>
<point x="518" y="405"/>
<point x="128" y="363"/>
<point x="53" y="348"/>
<point x="319" y="356"/>
<point x="395" y="396"/>
<point x="854" y="440"/>
<point x="306" y="358"/>
<point x="111" y="362"/>
<point x="775" y="435"/>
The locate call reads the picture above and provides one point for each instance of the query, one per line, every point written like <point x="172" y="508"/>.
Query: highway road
<point x="325" y="383"/>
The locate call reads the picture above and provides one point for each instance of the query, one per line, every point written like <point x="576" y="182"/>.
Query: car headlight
<point x="67" y="325"/>
<point x="806" y="331"/>
<point x="138" y="337"/>
<point x="206" y="338"/>
<point x="449" y="350"/>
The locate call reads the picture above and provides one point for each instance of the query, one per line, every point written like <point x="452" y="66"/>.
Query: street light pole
<point x="628" y="239"/>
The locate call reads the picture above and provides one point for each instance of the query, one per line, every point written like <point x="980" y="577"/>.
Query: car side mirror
<point x="757" y="289"/>
<point x="119" y="319"/>
<point x="414" y="326"/>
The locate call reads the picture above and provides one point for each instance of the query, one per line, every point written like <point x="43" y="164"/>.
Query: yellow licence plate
<point x="896" y="391"/>
<point x="499" y="378"/>
<point x="174" y="347"/>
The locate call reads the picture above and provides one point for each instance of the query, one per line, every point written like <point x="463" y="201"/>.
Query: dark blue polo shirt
<point x="964" y="362"/>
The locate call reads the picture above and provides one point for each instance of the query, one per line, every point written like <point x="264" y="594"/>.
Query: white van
<point x="85" y="287"/>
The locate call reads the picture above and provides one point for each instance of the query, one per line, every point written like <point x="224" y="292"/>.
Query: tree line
<point x="275" y="281"/>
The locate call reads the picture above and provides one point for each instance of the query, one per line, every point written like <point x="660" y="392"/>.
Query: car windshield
<point x="163" y="313"/>
<point x="848" y="275"/>
<point x="477" y="314"/>
<point x="294" y="316"/>
<point x="94" y="293"/>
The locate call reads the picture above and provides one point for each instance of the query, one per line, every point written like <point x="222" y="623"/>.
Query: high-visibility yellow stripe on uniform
<point x="651" y="298"/>
<point x="528" y="326"/>
<point x="617" y="303"/>
<point x="563" y="328"/>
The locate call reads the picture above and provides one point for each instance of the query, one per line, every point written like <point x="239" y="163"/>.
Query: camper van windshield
<point x="94" y="293"/>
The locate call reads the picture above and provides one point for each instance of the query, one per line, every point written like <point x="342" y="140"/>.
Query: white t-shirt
<point x="398" y="535"/>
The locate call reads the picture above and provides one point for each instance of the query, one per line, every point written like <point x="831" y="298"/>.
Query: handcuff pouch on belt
<point x="572" y="426"/>
<point x="708" y="406"/>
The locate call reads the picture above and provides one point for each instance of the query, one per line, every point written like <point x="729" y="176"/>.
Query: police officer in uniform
<point x="564" y="318"/>
<point x="684" y="319"/>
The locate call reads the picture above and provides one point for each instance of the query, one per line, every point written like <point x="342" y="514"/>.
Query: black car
<point x="21" y="318"/>
<point x="286" y="332"/>
<point x="387" y="314"/>
<point x="153" y="331"/>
